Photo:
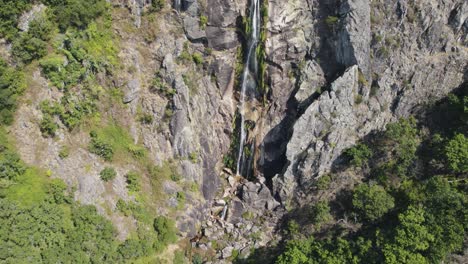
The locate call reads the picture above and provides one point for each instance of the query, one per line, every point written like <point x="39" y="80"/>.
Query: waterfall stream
<point x="249" y="81"/>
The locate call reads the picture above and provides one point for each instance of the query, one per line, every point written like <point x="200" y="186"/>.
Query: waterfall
<point x="249" y="77"/>
<point x="177" y="5"/>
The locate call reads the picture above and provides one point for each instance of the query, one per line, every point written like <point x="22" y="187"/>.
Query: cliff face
<point x="336" y="70"/>
<point x="371" y="63"/>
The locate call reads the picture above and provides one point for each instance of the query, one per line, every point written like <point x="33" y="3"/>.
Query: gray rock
<point x="311" y="79"/>
<point x="354" y="35"/>
<point x="192" y="29"/>
<point x="131" y="91"/>
<point x="258" y="196"/>
<point x="221" y="38"/>
<point x="191" y="7"/>
<point x="227" y="252"/>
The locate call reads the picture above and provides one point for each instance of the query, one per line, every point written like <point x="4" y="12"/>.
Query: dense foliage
<point x="12" y="84"/>
<point x="10" y="12"/>
<point x="40" y="222"/>
<point x="71" y="42"/>
<point x="405" y="213"/>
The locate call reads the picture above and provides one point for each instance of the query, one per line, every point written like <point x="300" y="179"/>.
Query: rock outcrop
<point x="393" y="61"/>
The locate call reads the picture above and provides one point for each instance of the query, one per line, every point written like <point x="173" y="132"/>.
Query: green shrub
<point x="28" y="48"/>
<point x="101" y="148"/>
<point x="371" y="201"/>
<point x="53" y="67"/>
<point x="165" y="229"/>
<point x="10" y="12"/>
<point x="12" y="85"/>
<point x="197" y="58"/>
<point x="131" y="249"/>
<point x="179" y="257"/>
<point x="323" y="183"/>
<point x="76" y="13"/>
<point x="56" y="190"/>
<point x="146" y="118"/>
<point x="193" y="156"/>
<point x="48" y="126"/>
<point x="157" y="5"/>
<point x="358" y="99"/>
<point x="362" y="79"/>
<point x="11" y="166"/>
<point x="293" y="228"/>
<point x="359" y="154"/>
<point x="133" y="181"/>
<point x="331" y="20"/>
<point x="108" y="174"/>
<point x="64" y="152"/>
<point x="180" y="196"/>
<point x="137" y="152"/>
<point x="123" y="207"/>
<point x="161" y="87"/>
<point x="203" y="21"/>
<point x="456" y="152"/>
<point x="321" y="213"/>
<point x="402" y="140"/>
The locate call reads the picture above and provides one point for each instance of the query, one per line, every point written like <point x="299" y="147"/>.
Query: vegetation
<point x="133" y="181"/>
<point x="108" y="174"/>
<point x="99" y="147"/>
<point x="331" y="20"/>
<point x="157" y="5"/>
<point x="10" y="12"/>
<point x="403" y="215"/>
<point x="76" y="13"/>
<point x="165" y="229"/>
<point x="32" y="44"/>
<point x="72" y="43"/>
<point x="321" y="213"/>
<point x="358" y="154"/>
<point x="203" y="21"/>
<point x="457" y="153"/>
<point x="371" y="201"/>
<point x="12" y="85"/>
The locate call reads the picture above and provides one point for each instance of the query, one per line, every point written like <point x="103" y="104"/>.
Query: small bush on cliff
<point x="133" y="181"/>
<point x="359" y="154"/>
<point x="108" y="174"/>
<point x="101" y="148"/>
<point x="165" y="229"/>
<point x="157" y="5"/>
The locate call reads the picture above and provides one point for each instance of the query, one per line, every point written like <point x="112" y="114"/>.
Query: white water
<point x="251" y="61"/>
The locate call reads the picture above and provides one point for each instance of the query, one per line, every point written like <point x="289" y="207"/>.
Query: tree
<point x="456" y="152"/>
<point x="165" y="228"/>
<point x="77" y="13"/>
<point x="321" y="213"/>
<point x="358" y="154"/>
<point x="10" y="11"/>
<point x="410" y="239"/>
<point x="12" y="84"/>
<point x="372" y="201"/>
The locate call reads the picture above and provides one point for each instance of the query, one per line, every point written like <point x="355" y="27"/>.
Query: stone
<point x="221" y="38"/>
<point x="227" y="252"/>
<point x="193" y="30"/>
<point x="132" y="91"/>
